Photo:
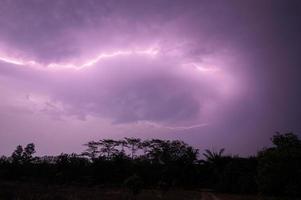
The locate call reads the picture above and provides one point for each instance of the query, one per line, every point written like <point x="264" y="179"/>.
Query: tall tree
<point x="279" y="166"/>
<point x="134" y="144"/>
<point x="92" y="151"/>
<point x="108" y="147"/>
<point x="17" y="154"/>
<point x="28" y="152"/>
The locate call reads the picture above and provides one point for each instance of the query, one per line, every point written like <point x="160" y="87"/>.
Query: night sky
<point x="216" y="74"/>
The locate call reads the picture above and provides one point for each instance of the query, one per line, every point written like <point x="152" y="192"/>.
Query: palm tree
<point x="213" y="156"/>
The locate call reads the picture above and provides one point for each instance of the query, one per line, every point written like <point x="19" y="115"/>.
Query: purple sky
<point x="212" y="73"/>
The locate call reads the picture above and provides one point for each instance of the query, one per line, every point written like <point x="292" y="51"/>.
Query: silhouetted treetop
<point x="162" y="164"/>
<point x="286" y="140"/>
<point x="25" y="155"/>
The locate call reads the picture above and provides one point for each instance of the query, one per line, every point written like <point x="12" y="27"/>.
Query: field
<point x="30" y="191"/>
<point x="34" y="192"/>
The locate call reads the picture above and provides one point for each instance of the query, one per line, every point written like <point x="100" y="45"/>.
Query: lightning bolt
<point x="91" y="62"/>
<point x="88" y="63"/>
<point x="156" y="125"/>
<point x="11" y="60"/>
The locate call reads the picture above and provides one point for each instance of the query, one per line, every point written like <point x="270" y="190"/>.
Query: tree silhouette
<point x="92" y="150"/>
<point x="134" y="144"/>
<point x="25" y="155"/>
<point x="279" y="166"/>
<point x="17" y="154"/>
<point x="287" y="140"/>
<point x="108" y="147"/>
<point x="122" y="144"/>
<point x="28" y="152"/>
<point x="213" y="156"/>
<point x="163" y="164"/>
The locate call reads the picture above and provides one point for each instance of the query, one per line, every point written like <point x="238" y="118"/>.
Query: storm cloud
<point x="209" y="72"/>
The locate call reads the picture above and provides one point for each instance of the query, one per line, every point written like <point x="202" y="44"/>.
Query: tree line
<point x="163" y="164"/>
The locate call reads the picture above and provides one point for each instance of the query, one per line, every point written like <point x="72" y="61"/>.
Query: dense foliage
<point x="279" y="167"/>
<point x="137" y="164"/>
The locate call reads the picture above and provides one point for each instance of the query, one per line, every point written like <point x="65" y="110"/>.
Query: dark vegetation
<point x="135" y="165"/>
